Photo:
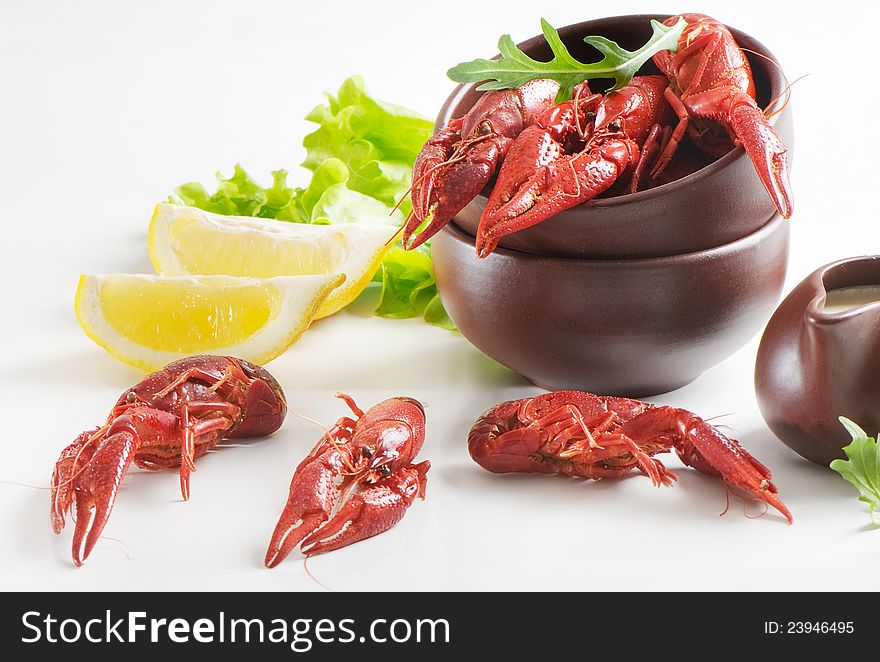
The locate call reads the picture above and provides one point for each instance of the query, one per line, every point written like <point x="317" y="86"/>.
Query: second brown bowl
<point x="615" y="327"/>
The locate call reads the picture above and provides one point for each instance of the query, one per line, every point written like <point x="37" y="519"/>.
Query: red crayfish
<point x="581" y="434"/>
<point x="554" y="157"/>
<point x="576" y="151"/>
<point x="711" y="77"/>
<point x="460" y="159"/>
<point x="169" y="419"/>
<point x="358" y="481"/>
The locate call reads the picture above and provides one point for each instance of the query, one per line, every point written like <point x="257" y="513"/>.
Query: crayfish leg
<point x="371" y="511"/>
<point x="670" y="145"/>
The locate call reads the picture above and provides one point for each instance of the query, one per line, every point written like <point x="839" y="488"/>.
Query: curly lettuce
<point x="862" y="467"/>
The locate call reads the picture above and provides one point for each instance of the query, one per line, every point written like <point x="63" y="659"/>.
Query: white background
<point x="106" y="106"/>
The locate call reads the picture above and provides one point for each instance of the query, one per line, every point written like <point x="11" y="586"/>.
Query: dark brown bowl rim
<point x="707" y="253"/>
<point x="706" y="171"/>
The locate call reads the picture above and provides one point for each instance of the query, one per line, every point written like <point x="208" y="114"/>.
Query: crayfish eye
<point x="485" y="128"/>
<point x="366" y="451"/>
<point x="614" y="126"/>
<point x="385" y="470"/>
<point x="131" y="397"/>
<point x="590" y="115"/>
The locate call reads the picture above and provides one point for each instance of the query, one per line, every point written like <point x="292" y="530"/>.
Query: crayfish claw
<point x="767" y="152"/>
<point x="288" y="534"/>
<point x="457" y="163"/>
<point x="553" y="188"/>
<point x="95" y="490"/>
<point x="706" y="449"/>
<point x="314" y="493"/>
<point x="371" y="511"/>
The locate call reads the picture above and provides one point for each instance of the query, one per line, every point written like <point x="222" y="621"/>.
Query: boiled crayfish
<point x="358" y="481"/>
<point x="169" y="419"/>
<point x="574" y="152"/>
<point x="584" y="435"/>
<point x="710" y="75"/>
<point x="460" y="159"/>
<point x="555" y="157"/>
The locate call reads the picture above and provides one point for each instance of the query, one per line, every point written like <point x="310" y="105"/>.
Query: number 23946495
<point x="809" y="627"/>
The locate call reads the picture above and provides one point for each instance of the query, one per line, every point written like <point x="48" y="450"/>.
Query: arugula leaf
<point x="516" y="68"/>
<point x="361" y="157"/>
<point x="862" y="467"/>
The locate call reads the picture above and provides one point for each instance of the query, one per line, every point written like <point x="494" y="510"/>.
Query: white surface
<point x="107" y="106"/>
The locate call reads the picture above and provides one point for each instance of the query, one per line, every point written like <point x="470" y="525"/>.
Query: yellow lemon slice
<point x="186" y="240"/>
<point x="148" y="321"/>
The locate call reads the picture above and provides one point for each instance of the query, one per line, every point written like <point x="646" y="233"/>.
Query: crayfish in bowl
<point x="551" y="157"/>
<point x="357" y="482"/>
<point x="169" y="419"/>
<point x="574" y="433"/>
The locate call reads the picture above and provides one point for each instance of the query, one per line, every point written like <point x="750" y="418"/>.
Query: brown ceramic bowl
<point x="715" y="205"/>
<point x="628" y="327"/>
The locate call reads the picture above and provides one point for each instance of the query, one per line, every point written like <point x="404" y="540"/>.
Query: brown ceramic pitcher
<point x="817" y="363"/>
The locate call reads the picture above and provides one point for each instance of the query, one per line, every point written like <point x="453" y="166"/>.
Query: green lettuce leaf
<point x="361" y="157"/>
<point x="862" y="467"/>
<point x="377" y="141"/>
<point x="240" y="195"/>
<point x="408" y="284"/>
<point x="329" y="198"/>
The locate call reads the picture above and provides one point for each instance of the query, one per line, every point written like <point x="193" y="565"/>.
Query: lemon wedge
<point x="148" y="321"/>
<point x="186" y="240"/>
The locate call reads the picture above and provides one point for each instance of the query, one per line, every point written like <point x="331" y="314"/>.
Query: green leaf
<point x="436" y="314"/>
<point x="409" y="289"/>
<point x="516" y="68"/>
<point x="408" y="284"/>
<point x="240" y="195"/>
<point x="862" y="467"/>
<point x="378" y="142"/>
<point x="340" y="204"/>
